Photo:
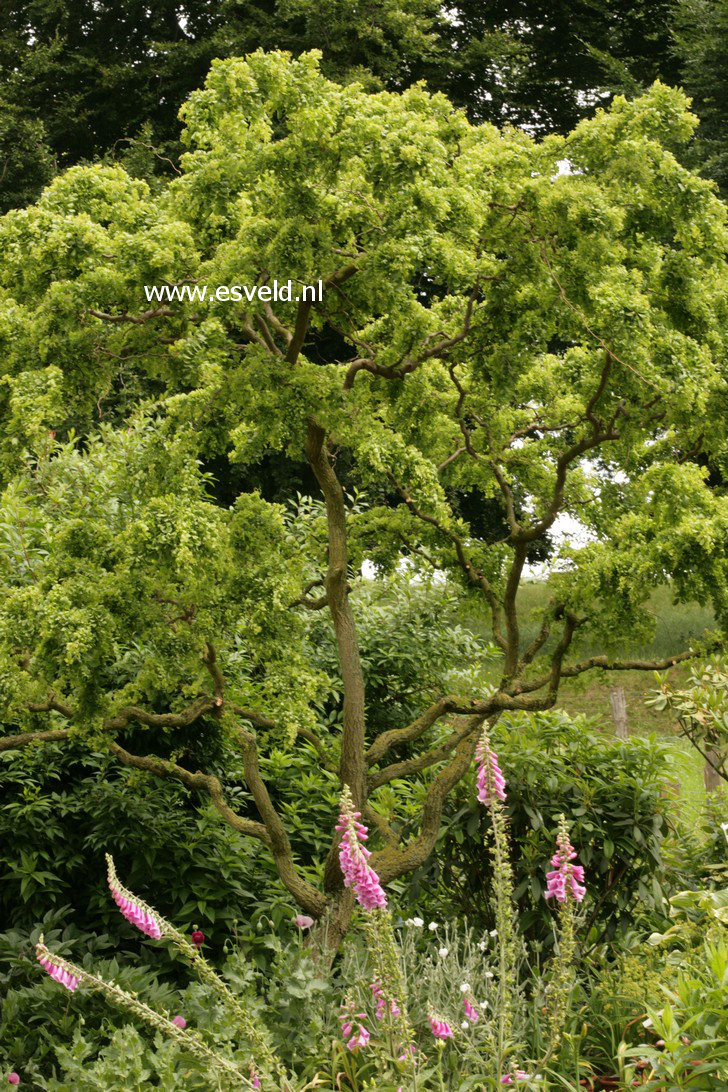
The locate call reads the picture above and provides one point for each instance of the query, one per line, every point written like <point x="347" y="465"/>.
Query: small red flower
<point x="198" y="937"/>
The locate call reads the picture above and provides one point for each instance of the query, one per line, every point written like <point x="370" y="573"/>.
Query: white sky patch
<point x="565" y="531"/>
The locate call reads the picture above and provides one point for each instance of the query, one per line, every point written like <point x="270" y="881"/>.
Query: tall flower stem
<point x="378" y="930"/>
<point x="504" y="925"/>
<point x="382" y="949"/>
<point x="161" y="1021"/>
<point x="491" y="792"/>
<point x="565" y="884"/>
<point x="264" y="1058"/>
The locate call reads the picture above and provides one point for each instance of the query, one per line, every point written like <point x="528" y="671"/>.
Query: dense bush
<point x="61" y="1043"/>
<point x="63" y="809"/>
<point x="612" y="790"/>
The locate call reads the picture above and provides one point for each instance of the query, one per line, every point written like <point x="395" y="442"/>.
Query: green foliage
<point x="36" y="1023"/>
<point x="613" y="792"/>
<point x="26" y="164"/>
<point x="488" y="323"/>
<point x="636" y="244"/>
<point x="62" y="809"/>
<point x="294" y="1001"/>
<point x="694" y="913"/>
<point x="700" y="35"/>
<point x="701" y="709"/>
<point x="414" y="646"/>
<point x="544" y="65"/>
<point x="126" y="1061"/>
<point x="617" y="987"/>
<point x="692" y="1026"/>
<point x="83" y="528"/>
<point x="119" y="76"/>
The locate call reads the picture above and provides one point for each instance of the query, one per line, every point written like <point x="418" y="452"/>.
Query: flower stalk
<point x="565" y="884"/>
<point x="491" y="792"/>
<point x="72" y="976"/>
<point x="264" y="1058"/>
<point x="388" y="983"/>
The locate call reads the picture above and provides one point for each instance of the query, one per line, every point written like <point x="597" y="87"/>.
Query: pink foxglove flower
<point x="347" y="1018"/>
<point x="303" y="921"/>
<point x="13" y="1078"/>
<point x="359" y="1039"/>
<point x="565" y="878"/>
<point x="440" y="1028"/>
<point x="255" y="1079"/>
<point x="520" y="1076"/>
<point x="470" y="1011"/>
<point x="354" y="857"/>
<point x="133" y="909"/>
<point x="179" y="1022"/>
<point x="381" y="1000"/>
<point x="55" y="971"/>
<point x="491" y="782"/>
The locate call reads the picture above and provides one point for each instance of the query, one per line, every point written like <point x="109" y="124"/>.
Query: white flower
<point x="647" y="1023"/>
<point x="432" y="926"/>
<point x="418" y="923"/>
<point x="442" y="952"/>
<point x="465" y="1025"/>
<point x="488" y="974"/>
<point x="409" y="921"/>
<point x="482" y="945"/>
<point x="493" y="933"/>
<point x="465" y="988"/>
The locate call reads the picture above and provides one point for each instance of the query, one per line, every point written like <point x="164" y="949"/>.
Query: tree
<point x="104" y="76"/>
<point x="701" y="34"/>
<point x="25" y="162"/>
<point x="487" y="324"/>
<point x="108" y="79"/>
<point x="544" y="65"/>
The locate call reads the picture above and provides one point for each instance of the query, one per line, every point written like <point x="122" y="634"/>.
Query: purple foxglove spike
<point x="565" y="878"/>
<point x="353" y="858"/>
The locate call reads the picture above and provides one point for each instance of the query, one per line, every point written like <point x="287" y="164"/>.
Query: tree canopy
<point x="550" y="340"/>
<point x="89" y="80"/>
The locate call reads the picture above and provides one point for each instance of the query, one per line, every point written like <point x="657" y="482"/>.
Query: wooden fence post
<point x="711" y="777"/>
<point x="619" y="711"/>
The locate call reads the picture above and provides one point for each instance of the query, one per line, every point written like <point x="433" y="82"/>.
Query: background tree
<point x="108" y="79"/>
<point x="102" y="76"/>
<point x="26" y="164"/>
<point x="573" y="327"/>
<point x="701" y="34"/>
<point x="544" y="65"/>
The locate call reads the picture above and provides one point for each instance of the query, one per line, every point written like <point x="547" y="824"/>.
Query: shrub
<point x="690" y="1026"/>
<point x="612" y="791"/>
<point x="62" y="809"/>
<point x="231" y="1044"/>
